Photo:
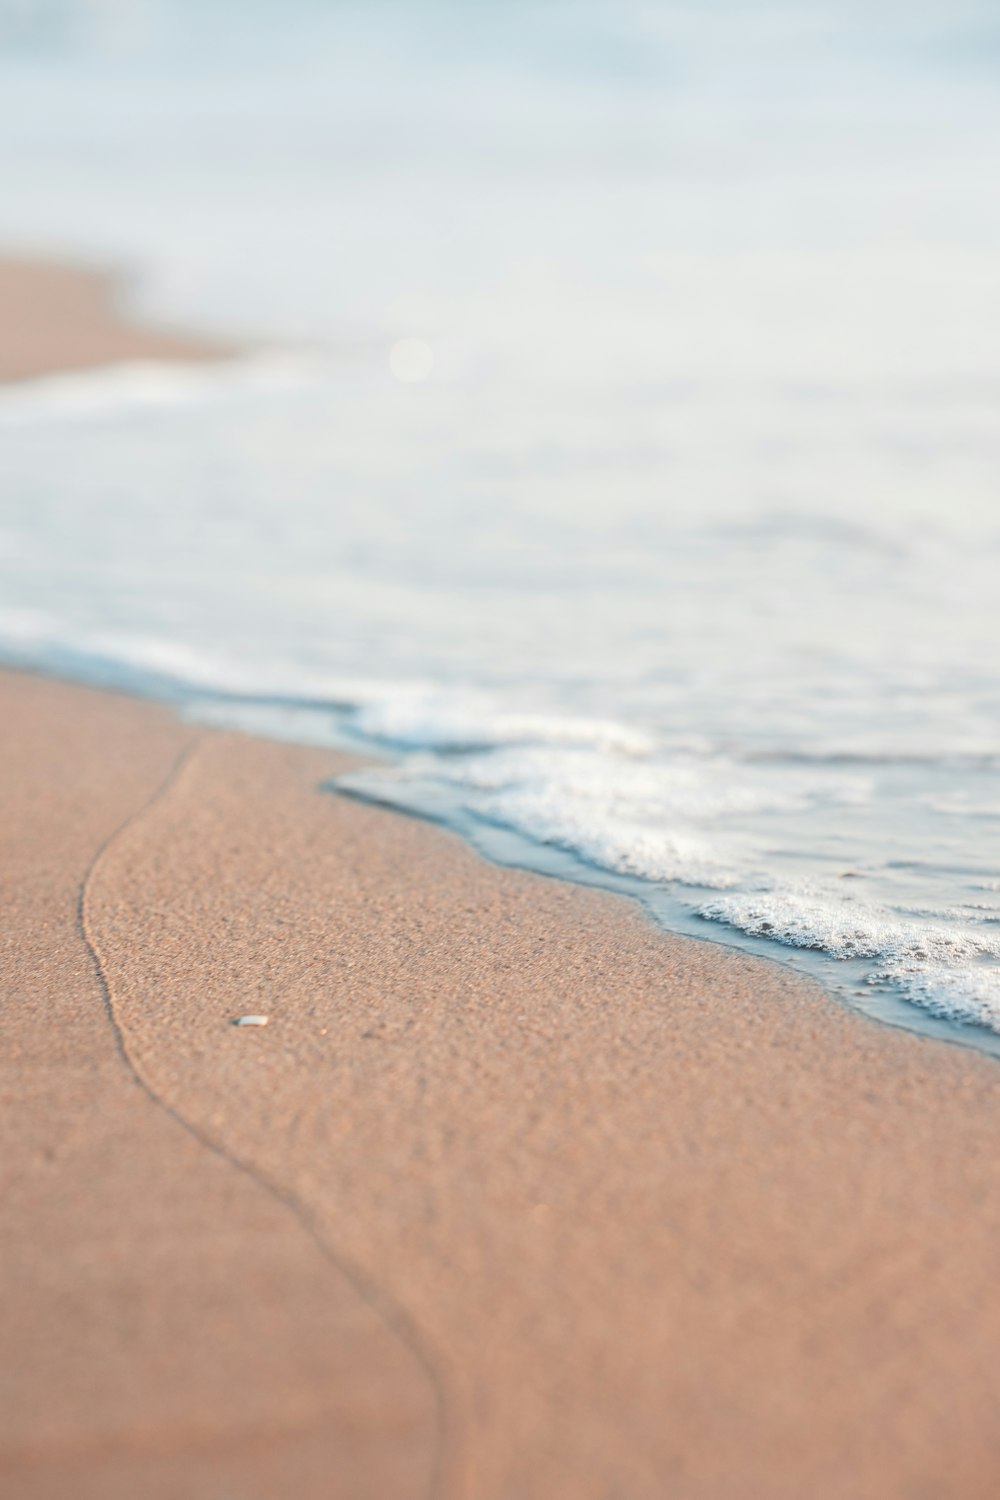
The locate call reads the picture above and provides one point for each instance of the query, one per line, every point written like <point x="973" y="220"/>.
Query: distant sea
<point x="620" y="456"/>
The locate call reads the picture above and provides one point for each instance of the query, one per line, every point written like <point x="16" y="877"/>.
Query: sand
<point x="57" y="317"/>
<point x="514" y="1196"/>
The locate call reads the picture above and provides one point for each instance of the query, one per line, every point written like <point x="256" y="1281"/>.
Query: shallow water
<point x="678" y="565"/>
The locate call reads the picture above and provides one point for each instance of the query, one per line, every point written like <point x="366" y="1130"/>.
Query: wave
<point x="969" y="995"/>
<point x="951" y="973"/>
<point x="609" y="793"/>
<point x="143" y="385"/>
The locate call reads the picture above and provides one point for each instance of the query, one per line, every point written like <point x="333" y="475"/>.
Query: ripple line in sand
<point x="443" y="1479"/>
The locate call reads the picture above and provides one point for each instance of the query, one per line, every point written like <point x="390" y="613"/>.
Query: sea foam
<point x="950" y="972"/>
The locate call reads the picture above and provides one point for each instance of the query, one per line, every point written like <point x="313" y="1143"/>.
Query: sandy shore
<point x="57" y="317"/>
<point x="514" y="1196"/>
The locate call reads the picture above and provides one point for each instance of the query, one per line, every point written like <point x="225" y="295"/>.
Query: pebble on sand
<point x="250" y="1020"/>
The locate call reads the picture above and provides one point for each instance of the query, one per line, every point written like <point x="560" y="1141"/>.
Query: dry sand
<point x="515" y="1196"/>
<point x="57" y="317"/>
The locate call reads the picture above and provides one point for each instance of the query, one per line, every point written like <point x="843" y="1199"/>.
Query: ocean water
<point x="618" y="454"/>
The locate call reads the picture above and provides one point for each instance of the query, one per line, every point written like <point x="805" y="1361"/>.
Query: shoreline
<point x="838" y="979"/>
<point x="57" y="316"/>
<point x="638" y="1210"/>
<point x="883" y="1007"/>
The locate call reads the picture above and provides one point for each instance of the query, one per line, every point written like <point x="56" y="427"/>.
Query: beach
<point x="499" y="751"/>
<point x="60" y="317"/>
<point x="514" y="1195"/>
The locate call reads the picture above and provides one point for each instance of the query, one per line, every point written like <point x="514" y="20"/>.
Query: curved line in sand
<point x="392" y="1315"/>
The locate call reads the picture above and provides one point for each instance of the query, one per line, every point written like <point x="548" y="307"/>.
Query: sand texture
<point x="514" y="1198"/>
<point x="56" y="317"/>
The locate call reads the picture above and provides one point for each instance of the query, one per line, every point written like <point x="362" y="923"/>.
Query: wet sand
<point x="514" y="1196"/>
<point x="57" y="317"/>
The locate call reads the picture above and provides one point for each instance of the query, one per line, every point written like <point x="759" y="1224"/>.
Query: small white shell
<point x="250" y="1020"/>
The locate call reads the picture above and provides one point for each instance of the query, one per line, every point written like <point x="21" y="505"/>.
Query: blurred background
<point x="613" y="437"/>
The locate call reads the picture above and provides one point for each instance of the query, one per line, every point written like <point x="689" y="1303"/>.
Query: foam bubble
<point x="844" y="928"/>
<point x="642" y="815"/>
<point x="620" y="844"/>
<point x="443" y="719"/>
<point x="969" y="995"/>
